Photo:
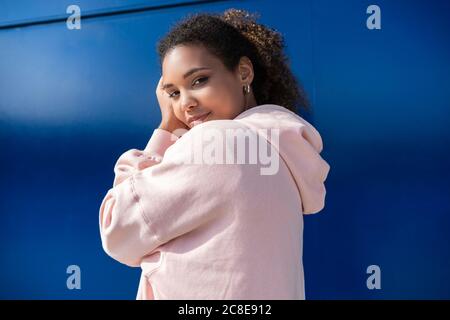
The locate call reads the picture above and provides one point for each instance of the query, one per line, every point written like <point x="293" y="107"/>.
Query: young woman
<point x="212" y="208"/>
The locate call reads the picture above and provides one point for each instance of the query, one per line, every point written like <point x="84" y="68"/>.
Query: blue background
<point x="72" y="101"/>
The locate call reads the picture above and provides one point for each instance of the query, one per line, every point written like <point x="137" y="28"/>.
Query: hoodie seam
<point x="155" y="268"/>
<point x="142" y="212"/>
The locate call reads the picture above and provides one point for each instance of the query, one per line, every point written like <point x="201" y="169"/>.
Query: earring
<point x="247" y="89"/>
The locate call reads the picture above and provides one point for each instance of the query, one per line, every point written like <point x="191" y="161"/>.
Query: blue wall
<point x="71" y="101"/>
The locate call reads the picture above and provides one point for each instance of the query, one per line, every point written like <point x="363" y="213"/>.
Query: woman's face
<point x="200" y="86"/>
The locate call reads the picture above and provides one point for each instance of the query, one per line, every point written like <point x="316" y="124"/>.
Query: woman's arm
<point x="134" y="160"/>
<point x="149" y="207"/>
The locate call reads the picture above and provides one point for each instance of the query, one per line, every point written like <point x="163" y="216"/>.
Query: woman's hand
<point x="169" y="121"/>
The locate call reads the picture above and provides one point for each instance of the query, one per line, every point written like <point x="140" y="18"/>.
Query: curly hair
<point x="234" y="34"/>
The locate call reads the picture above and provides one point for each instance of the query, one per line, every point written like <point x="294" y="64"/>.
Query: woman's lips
<point x="198" y="120"/>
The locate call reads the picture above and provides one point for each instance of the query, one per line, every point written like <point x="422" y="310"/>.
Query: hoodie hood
<point x="299" y="146"/>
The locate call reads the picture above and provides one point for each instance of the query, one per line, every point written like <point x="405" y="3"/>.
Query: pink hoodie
<point x="217" y="231"/>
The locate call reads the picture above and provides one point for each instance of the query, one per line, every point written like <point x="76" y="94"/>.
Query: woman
<point x="200" y="222"/>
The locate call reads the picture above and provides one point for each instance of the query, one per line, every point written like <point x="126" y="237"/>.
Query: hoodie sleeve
<point x="129" y="163"/>
<point x="134" y="160"/>
<point x="156" y="200"/>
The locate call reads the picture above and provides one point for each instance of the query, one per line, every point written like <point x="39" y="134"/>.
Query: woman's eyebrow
<point x="187" y="74"/>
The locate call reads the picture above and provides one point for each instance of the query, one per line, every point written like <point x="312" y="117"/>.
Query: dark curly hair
<point x="234" y="34"/>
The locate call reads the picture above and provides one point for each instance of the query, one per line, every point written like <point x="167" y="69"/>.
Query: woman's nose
<point x="187" y="104"/>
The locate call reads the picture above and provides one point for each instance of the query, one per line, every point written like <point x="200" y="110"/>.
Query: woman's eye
<point x="171" y="95"/>
<point x="202" y="80"/>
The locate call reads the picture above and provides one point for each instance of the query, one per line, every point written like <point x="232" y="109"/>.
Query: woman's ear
<point x="245" y="70"/>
